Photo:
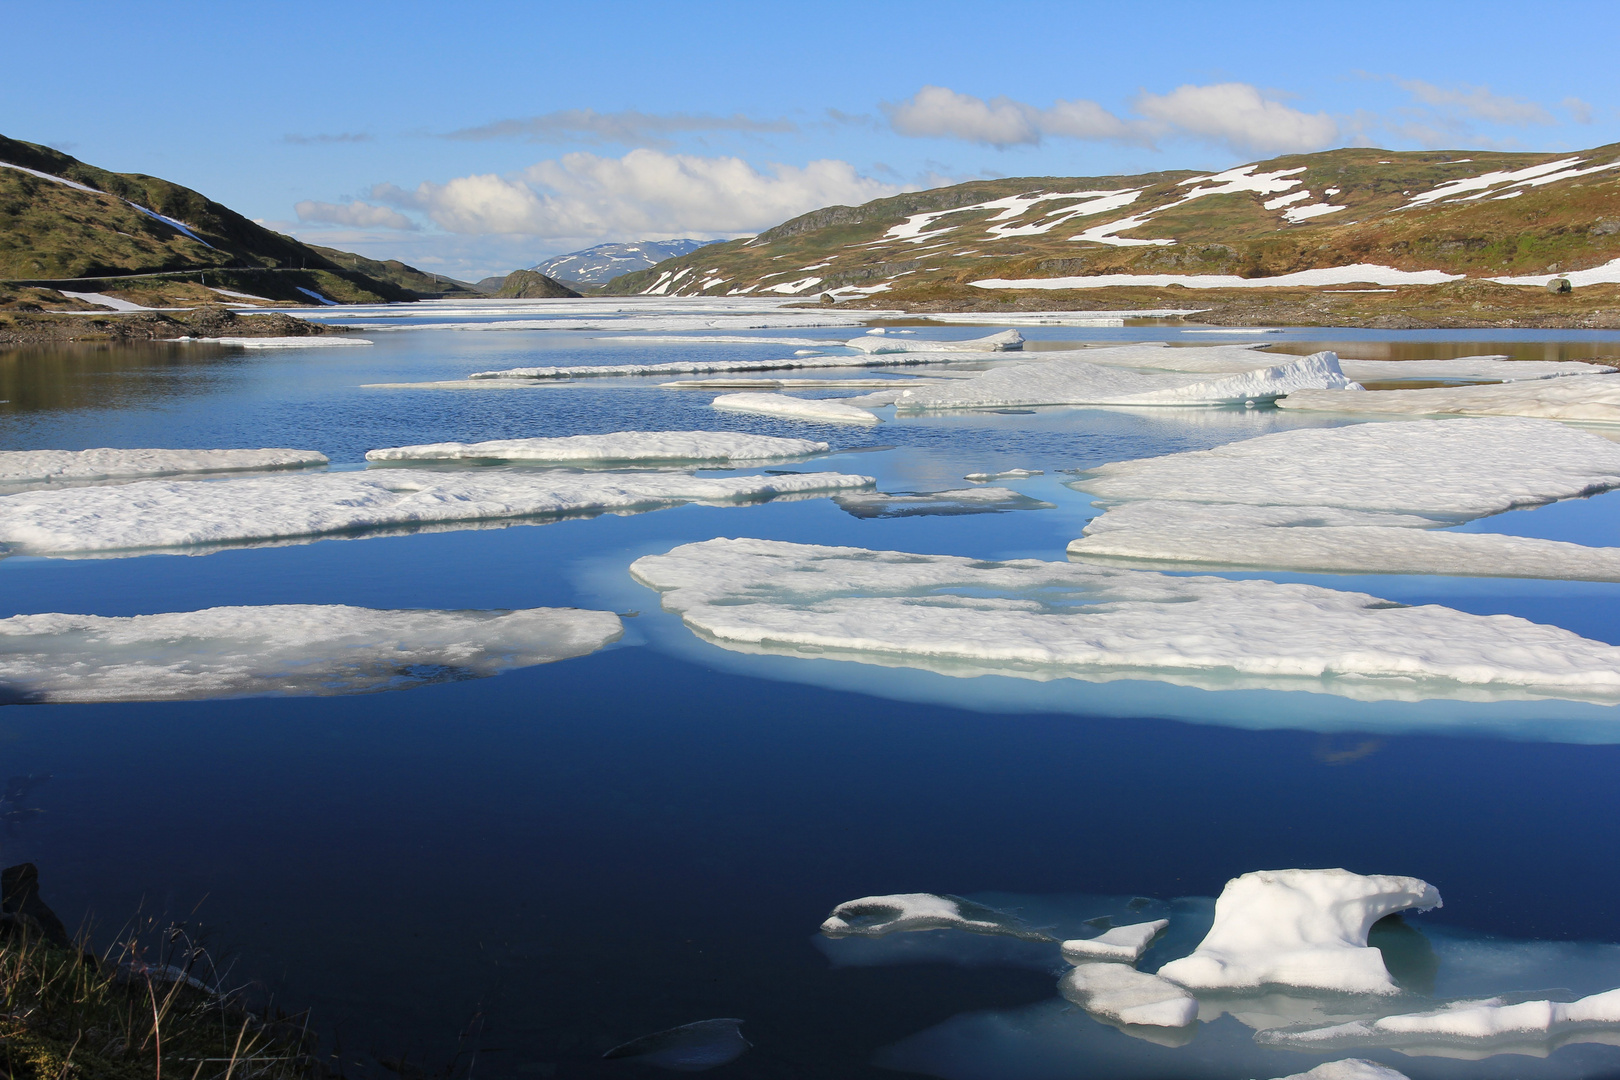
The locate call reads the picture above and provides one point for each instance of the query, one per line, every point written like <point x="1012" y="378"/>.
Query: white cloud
<point x="628" y="127"/>
<point x="1478" y="103"/>
<point x="357" y="214"/>
<point x="1233" y="114"/>
<point x="1580" y="111"/>
<point x="1237" y="115"/>
<point x="645" y="195"/>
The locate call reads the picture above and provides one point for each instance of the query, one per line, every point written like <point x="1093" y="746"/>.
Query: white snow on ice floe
<point x="1044" y="620"/>
<point x="1005" y="474"/>
<point x="1005" y="341"/>
<point x="814" y="410"/>
<point x="1305" y="928"/>
<point x="1348" y="1069"/>
<point x="1079" y="382"/>
<point x="1230" y="359"/>
<point x="106" y="463"/>
<point x="1357" y="273"/>
<point x="979" y="500"/>
<point x="1492" y="1025"/>
<point x="279" y="649"/>
<point x="722" y="448"/>
<point x="1369" y="498"/>
<point x="876" y="916"/>
<point x="1120" y="993"/>
<point x="790" y="384"/>
<point x="1587" y="399"/>
<point x="1120" y="943"/>
<point x="322" y="342"/>
<point x="158" y="514"/>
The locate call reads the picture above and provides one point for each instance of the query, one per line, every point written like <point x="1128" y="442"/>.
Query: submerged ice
<point x="878" y="916"/>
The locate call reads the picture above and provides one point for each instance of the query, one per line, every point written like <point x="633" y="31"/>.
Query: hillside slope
<point x="1475" y="215"/>
<point x="601" y="264"/>
<point x="61" y="218"/>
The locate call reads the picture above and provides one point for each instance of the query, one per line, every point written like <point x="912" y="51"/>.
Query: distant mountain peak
<point x="601" y="264"/>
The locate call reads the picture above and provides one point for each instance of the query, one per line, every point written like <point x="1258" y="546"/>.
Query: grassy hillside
<point x="419" y="283"/>
<point x="1408" y="210"/>
<point x="102" y="224"/>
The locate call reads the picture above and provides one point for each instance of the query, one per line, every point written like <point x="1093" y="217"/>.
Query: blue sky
<point x="472" y="139"/>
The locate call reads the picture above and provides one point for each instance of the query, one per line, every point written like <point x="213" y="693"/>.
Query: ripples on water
<point x="573" y="855"/>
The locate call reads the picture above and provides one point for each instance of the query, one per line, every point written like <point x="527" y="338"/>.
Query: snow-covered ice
<point x="1121" y="943"/>
<point x="1348" y="1069"/>
<point x="1005" y="474"/>
<point x="722" y="448"/>
<point x="1043" y="620"/>
<point x="324" y="342"/>
<point x="878" y="344"/>
<point x="166" y="514"/>
<point x="107" y="463"/>
<point x="788" y="384"/>
<point x="706" y="367"/>
<point x="978" y="500"/>
<point x="1305" y="928"/>
<point x="814" y="410"/>
<point x="1591" y="399"/>
<point x="1080" y="382"/>
<point x="1230" y="359"/>
<point x="876" y="916"/>
<point x="279" y="649"/>
<point x="1356" y="273"/>
<point x="1120" y="993"/>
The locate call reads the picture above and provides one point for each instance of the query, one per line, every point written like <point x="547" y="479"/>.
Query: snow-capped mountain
<point x="601" y="264"/>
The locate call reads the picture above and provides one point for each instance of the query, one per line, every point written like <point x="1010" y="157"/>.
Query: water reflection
<point x="51" y="378"/>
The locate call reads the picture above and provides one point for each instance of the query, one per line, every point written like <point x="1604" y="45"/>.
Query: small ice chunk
<point x="1122" y="943"/>
<point x="1349" y="1069"/>
<point x="323" y="342"/>
<point x="301" y="649"/>
<point x="1120" y="993"/>
<point x="1305" y="928"/>
<point x="876" y="916"/>
<point x="981" y="500"/>
<point x="694" y="1047"/>
<point x="1005" y="474"/>
<point x="619" y="447"/>
<point x="47" y="466"/>
<point x="1005" y="341"/>
<point x="1583" y="398"/>
<point x="168" y="514"/>
<point x="814" y="410"/>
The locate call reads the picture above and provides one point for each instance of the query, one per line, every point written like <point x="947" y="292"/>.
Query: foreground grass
<point x="142" y="1011"/>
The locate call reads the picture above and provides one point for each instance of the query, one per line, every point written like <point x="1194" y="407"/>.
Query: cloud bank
<point x="628" y="127"/>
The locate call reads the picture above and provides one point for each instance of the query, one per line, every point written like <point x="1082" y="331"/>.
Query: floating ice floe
<point x="694" y="1047"/>
<point x="106" y="463"/>
<point x="1005" y="341"/>
<point x="1471" y="1028"/>
<point x="785" y="384"/>
<point x="704" y="367"/>
<point x="814" y="410"/>
<point x="1005" y="474"/>
<point x="1349" y="1069"/>
<point x="1584" y="398"/>
<point x="297" y="649"/>
<point x="1120" y="993"/>
<point x="1121" y="943"/>
<point x="1232" y="359"/>
<point x="1079" y="382"/>
<point x="158" y="514"/>
<point x="980" y="500"/>
<point x="1042" y="620"/>
<point x="1305" y="928"/>
<point x="713" y="448"/>
<point x="878" y="916"/>
<point x="281" y="342"/>
<point x="1366" y="498"/>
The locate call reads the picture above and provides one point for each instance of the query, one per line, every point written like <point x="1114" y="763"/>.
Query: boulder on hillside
<point x="530" y="285"/>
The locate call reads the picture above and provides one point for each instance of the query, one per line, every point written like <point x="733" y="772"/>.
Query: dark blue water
<point x="555" y="860"/>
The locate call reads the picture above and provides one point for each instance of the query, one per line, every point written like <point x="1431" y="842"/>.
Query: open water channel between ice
<point x="542" y="852"/>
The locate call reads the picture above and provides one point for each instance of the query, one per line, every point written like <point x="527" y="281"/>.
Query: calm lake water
<point x="549" y="862"/>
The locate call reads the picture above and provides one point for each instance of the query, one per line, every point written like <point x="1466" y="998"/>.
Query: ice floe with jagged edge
<point x="978" y="500"/>
<point x="1348" y="1069"/>
<point x="812" y="410"/>
<point x="877" y="342"/>
<point x="1122" y="943"/>
<point x="1371" y="498"/>
<point x="1586" y="399"/>
<point x="1235" y="359"/>
<point x="312" y="342"/>
<point x="1079" y="382"/>
<point x="152" y="514"/>
<point x="791" y="384"/>
<point x="295" y="649"/>
<point x="879" y="916"/>
<point x="1124" y="995"/>
<point x="1044" y="620"/>
<point x="711" y="448"/>
<point x="21" y="468"/>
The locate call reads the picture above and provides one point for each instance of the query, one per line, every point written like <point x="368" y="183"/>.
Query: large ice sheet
<point x="1229" y="359"/>
<point x="297" y="649"/>
<point x="721" y="448"/>
<point x="1592" y="399"/>
<point x="166" y="514"/>
<point x="1120" y="993"/>
<point x="1079" y="382"/>
<point x="1305" y="928"/>
<point x="1005" y="341"/>
<point x="106" y="463"/>
<point x="1349" y="1069"/>
<point x="1043" y="620"/>
<point x="814" y="410"/>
